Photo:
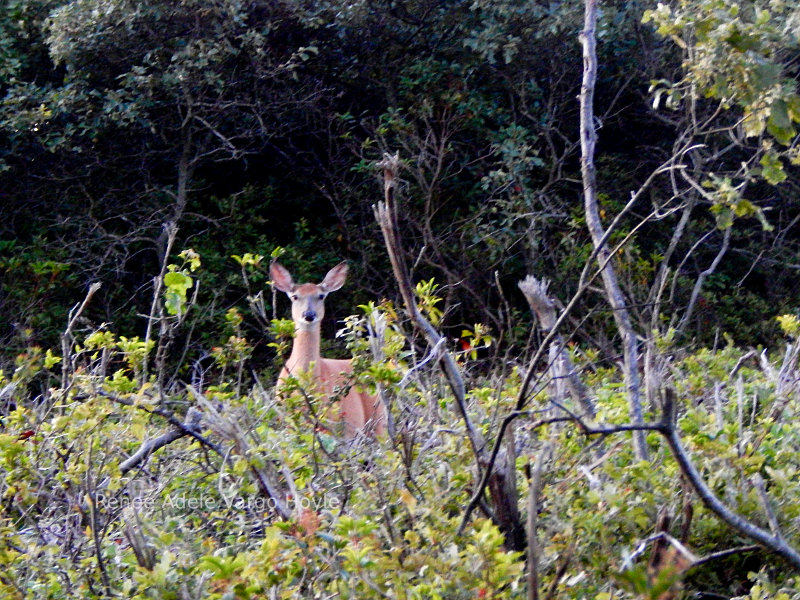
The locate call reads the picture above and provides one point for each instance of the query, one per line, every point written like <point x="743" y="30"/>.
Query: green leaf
<point x="723" y="215"/>
<point x="744" y="208"/>
<point x="766" y="75"/>
<point x="772" y="168"/>
<point x="779" y="124"/>
<point x="50" y="359"/>
<point x="742" y="41"/>
<point x="177" y="284"/>
<point x="328" y="442"/>
<point x="793" y="107"/>
<point x="178" y="281"/>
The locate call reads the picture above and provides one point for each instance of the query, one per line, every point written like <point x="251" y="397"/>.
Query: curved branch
<point x="184" y="428"/>
<point x="774" y="543"/>
<point x="152" y="445"/>
<point x="67" y="338"/>
<point x="726" y="238"/>
<point x="667" y="428"/>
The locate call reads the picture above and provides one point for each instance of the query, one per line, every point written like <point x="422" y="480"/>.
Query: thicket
<point x="628" y="431"/>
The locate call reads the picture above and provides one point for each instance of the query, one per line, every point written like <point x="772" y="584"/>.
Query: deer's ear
<point x="281" y="278"/>
<point x="335" y="278"/>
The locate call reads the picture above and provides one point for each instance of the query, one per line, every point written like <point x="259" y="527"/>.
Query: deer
<point x="360" y="411"/>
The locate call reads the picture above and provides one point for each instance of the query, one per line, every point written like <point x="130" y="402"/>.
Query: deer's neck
<point x="305" y="350"/>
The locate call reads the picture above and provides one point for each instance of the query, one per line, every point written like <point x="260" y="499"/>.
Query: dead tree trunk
<point x="502" y="477"/>
<point x="561" y="365"/>
<point x="613" y="291"/>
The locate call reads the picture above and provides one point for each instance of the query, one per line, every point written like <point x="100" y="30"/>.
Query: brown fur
<point x="358" y="410"/>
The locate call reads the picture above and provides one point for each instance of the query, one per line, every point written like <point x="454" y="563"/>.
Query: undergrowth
<point x="82" y="516"/>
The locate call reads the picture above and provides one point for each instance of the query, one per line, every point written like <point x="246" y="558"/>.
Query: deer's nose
<point x="309" y="316"/>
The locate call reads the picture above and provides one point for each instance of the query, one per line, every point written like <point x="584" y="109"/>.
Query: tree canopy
<point x="120" y="117"/>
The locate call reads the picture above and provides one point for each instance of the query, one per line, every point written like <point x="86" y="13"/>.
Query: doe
<point x="360" y="411"/>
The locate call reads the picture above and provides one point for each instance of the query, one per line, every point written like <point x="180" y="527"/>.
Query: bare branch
<point x="170" y="417"/>
<point x="698" y="284"/>
<point x="264" y="474"/>
<point x="774" y="543"/>
<point x="150" y="446"/>
<point x="667" y="428"/>
<point x="592" y="212"/>
<point x="499" y="470"/>
<point x="67" y="337"/>
<point x="758" y="483"/>
<point x="170" y="231"/>
<point x="386" y="215"/>
<point x="664" y="538"/>
<point x="725" y="553"/>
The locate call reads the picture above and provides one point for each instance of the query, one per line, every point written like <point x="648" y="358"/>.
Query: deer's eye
<point x="294" y="297"/>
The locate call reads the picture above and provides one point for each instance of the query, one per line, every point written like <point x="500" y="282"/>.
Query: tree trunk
<point x="613" y="291"/>
<point x="500" y="474"/>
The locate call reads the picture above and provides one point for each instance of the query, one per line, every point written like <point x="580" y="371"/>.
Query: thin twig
<point x="661" y="536"/>
<point x="171" y="230"/>
<point x="67" y="337"/>
<point x="725" y="554"/>
<point x="95" y="527"/>
<point x="758" y="483"/>
<point x="742" y="359"/>
<point x="433" y="353"/>
<point x="698" y="284"/>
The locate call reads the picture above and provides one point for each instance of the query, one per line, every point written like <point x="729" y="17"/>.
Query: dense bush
<point x="373" y="518"/>
<point x="254" y="125"/>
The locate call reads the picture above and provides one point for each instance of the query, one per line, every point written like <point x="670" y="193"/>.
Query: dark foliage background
<point x="254" y="125"/>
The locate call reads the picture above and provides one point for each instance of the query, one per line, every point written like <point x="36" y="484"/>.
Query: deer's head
<point x="308" y="299"/>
